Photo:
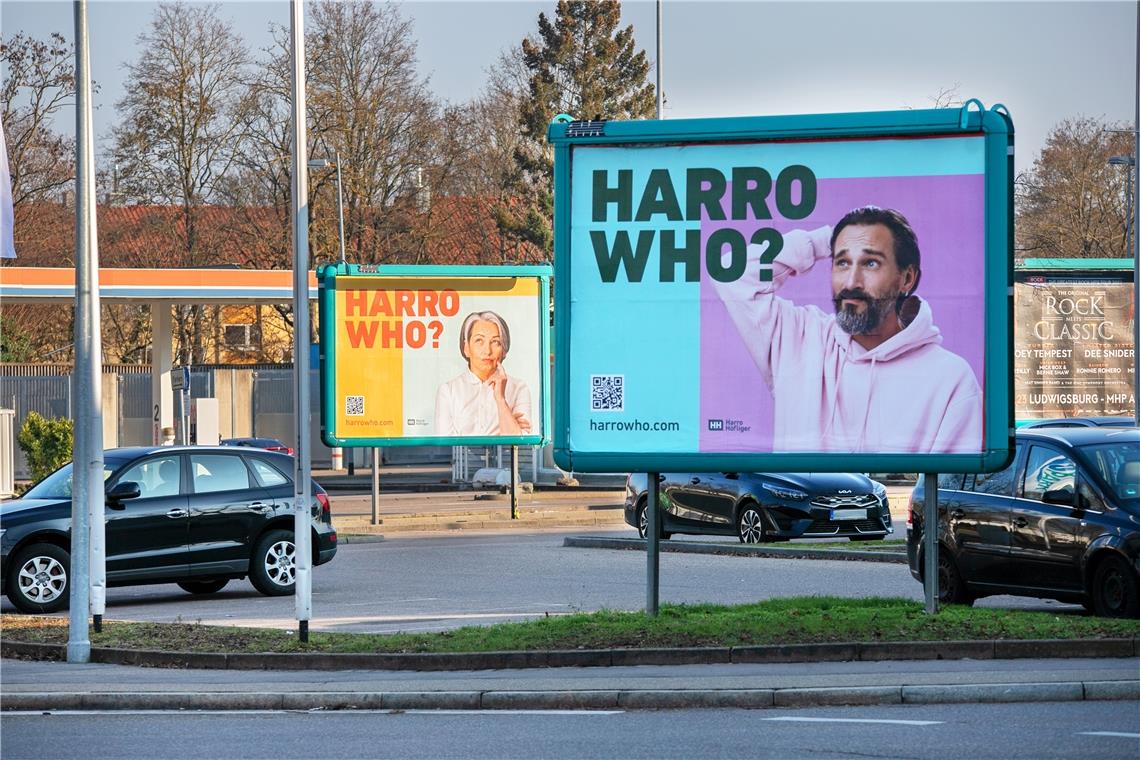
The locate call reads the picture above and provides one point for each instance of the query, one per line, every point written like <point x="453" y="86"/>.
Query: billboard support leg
<point x="652" y="546"/>
<point x="375" y="486"/>
<point x="514" y="482"/>
<point x="930" y="541"/>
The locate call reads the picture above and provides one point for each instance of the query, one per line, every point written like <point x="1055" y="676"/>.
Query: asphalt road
<point x="1103" y="730"/>
<point x="436" y="582"/>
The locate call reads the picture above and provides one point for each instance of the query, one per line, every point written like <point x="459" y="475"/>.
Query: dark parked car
<point x="269" y="444"/>
<point x="1062" y="521"/>
<point x="760" y="506"/>
<point x="1081" y="422"/>
<point x="197" y="516"/>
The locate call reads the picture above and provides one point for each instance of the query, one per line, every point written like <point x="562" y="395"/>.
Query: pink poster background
<point x="948" y="216"/>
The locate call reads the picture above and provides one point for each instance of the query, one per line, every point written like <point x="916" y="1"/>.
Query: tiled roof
<point x="455" y="230"/>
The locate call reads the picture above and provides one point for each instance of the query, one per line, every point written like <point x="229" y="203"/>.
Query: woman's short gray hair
<point x="483" y="316"/>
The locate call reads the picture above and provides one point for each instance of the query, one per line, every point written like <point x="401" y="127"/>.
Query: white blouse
<point x="465" y="405"/>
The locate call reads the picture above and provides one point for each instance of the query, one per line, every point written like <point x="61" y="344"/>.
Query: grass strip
<point x="801" y="620"/>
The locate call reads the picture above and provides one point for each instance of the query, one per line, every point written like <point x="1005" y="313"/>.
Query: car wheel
<point x="750" y="525"/>
<point x="642" y="520"/>
<point x="643" y="523"/>
<point x="38" y="580"/>
<point x="951" y="587"/>
<point x="203" y="587"/>
<point x="273" y="567"/>
<point x="1115" y="592"/>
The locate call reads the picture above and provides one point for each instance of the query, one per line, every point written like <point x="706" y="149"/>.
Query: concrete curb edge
<point x="743" y="550"/>
<point x="775" y="653"/>
<point x="578" y="700"/>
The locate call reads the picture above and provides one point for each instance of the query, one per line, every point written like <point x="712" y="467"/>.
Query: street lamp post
<point x="324" y="163"/>
<point x="1129" y="230"/>
<point x="1129" y="162"/>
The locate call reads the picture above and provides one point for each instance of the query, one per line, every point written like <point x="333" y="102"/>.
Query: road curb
<point x="741" y="550"/>
<point x="568" y="699"/>
<point x="1003" y="649"/>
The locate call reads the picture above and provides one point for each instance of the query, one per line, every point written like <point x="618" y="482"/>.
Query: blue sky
<point x="1044" y="60"/>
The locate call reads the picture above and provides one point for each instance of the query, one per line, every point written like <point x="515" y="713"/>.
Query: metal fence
<point x="253" y="402"/>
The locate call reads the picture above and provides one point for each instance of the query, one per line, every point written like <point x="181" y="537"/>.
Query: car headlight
<point x="781" y="492"/>
<point x="879" y="489"/>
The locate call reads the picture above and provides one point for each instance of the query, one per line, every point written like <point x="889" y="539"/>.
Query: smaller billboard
<point x="437" y="355"/>
<point x="1073" y="353"/>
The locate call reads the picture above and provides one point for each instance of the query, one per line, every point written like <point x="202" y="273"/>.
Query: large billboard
<point x="826" y="293"/>
<point x="1073" y="353"/>
<point x="434" y="355"/>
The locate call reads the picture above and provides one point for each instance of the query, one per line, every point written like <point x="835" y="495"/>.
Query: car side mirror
<point x="123" y="490"/>
<point x="1060" y="496"/>
<point x="732" y="475"/>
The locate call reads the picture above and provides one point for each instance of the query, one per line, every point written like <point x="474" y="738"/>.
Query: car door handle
<point x="958" y="514"/>
<point x="259" y="506"/>
<point x="660" y="478"/>
<point x="177" y="513"/>
<point x="1020" y="522"/>
<point x="694" y="481"/>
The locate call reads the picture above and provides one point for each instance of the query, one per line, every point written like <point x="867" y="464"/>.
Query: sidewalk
<point x="413" y="478"/>
<point x="40" y="686"/>
<point x="421" y="498"/>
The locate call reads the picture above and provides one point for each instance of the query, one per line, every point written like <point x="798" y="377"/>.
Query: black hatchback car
<point x="1062" y="521"/>
<point x="197" y="516"/>
<point x="761" y="506"/>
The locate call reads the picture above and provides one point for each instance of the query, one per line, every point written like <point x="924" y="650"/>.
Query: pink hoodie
<point x="906" y="395"/>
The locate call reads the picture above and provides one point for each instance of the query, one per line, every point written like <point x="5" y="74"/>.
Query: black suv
<point x="1062" y="521"/>
<point x="762" y="506"/>
<point x="197" y="516"/>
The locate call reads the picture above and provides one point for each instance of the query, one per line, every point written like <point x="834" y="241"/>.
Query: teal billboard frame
<point x="326" y="308"/>
<point x="994" y="124"/>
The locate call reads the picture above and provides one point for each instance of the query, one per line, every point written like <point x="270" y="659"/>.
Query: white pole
<point x="96" y="497"/>
<point x="340" y="210"/>
<point x="660" y="49"/>
<point x="87" y="459"/>
<point x="302" y="488"/>
<point x="1134" y="235"/>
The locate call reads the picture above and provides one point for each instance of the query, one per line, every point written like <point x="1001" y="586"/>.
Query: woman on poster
<point x="484" y="399"/>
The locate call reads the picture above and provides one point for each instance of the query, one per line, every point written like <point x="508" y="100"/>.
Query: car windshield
<point x="58" y="484"/>
<point x="1118" y="465"/>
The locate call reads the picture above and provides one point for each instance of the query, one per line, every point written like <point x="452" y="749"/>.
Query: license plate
<point x="849" y="514"/>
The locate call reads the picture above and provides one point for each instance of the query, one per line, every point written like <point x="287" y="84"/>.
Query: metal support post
<point x="652" y="546"/>
<point x="375" y="486"/>
<point x="514" y="482"/>
<point x="302" y="519"/>
<point x="930" y="540"/>
<point x="1134" y="236"/>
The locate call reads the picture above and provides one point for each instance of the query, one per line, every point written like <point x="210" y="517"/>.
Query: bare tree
<point x="1071" y="204"/>
<point x="366" y="103"/>
<point x="39" y="81"/>
<point x="38" y="84"/>
<point x="475" y="175"/>
<point x="180" y="131"/>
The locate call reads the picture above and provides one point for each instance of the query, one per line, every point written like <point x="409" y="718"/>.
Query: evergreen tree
<point x="582" y="64"/>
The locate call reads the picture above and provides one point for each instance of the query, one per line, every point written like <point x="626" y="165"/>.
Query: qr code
<point x="353" y="406"/>
<point x="607" y="393"/>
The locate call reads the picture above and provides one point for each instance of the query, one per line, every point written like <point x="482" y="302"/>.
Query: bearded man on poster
<point x="872" y="377"/>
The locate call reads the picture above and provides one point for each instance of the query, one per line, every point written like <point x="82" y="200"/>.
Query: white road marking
<point x="793" y="719"/>
<point x="1109" y="733"/>
<point x="318" y="711"/>
<point x="508" y="712"/>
